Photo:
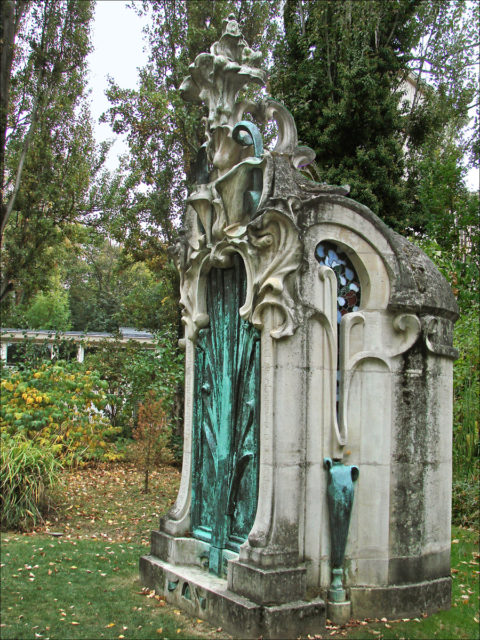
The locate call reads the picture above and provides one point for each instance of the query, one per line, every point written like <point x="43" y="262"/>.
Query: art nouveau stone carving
<point x="351" y="327"/>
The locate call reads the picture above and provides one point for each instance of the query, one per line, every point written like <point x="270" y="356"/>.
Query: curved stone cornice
<point x="271" y="251"/>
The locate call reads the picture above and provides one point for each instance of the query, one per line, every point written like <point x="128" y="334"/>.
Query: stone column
<point x="269" y="568"/>
<point x="4" y="352"/>
<point x="80" y="353"/>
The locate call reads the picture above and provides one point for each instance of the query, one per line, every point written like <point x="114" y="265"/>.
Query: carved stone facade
<point x="371" y="387"/>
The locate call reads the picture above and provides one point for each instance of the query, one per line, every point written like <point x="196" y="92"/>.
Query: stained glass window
<point x="348" y="283"/>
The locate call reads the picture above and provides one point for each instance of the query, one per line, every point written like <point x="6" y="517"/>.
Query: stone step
<point x="206" y="596"/>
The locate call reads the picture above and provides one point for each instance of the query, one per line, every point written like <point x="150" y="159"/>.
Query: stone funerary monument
<point x="318" y="388"/>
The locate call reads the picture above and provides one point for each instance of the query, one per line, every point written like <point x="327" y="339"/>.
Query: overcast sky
<point x="119" y="52"/>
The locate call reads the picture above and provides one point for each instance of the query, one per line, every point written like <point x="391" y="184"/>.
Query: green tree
<point x="130" y="371"/>
<point x="336" y="71"/>
<point x="109" y="289"/>
<point x="47" y="150"/>
<point x="49" y="310"/>
<point x="444" y="62"/>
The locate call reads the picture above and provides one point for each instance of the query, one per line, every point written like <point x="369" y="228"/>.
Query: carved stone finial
<point x="216" y="77"/>
<point x="237" y="205"/>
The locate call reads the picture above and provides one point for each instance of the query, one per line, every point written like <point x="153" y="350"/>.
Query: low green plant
<point x="27" y="473"/>
<point x="466" y="379"/>
<point x="465" y="501"/>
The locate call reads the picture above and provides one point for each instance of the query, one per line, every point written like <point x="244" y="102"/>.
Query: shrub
<point x="27" y="472"/>
<point x="130" y="371"/>
<point x="466" y="387"/>
<point x="152" y="436"/>
<point x="59" y="406"/>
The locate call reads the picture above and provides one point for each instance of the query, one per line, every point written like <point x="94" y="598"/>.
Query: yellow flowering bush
<point x="59" y="405"/>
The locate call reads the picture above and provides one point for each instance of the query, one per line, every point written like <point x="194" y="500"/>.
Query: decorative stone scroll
<point x="312" y="332"/>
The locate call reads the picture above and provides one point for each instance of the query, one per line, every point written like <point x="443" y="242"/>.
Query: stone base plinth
<point x="405" y="600"/>
<point x="339" y="612"/>
<point x="207" y="596"/>
<point x="267" y="586"/>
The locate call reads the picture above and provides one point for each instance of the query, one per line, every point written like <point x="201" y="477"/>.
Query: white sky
<point x="118" y="51"/>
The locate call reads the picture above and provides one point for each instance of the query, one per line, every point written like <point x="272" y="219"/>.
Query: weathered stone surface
<point x="206" y="596"/>
<point x="398" y="601"/>
<point x="430" y="566"/>
<point x="267" y="586"/>
<point x="339" y="612"/>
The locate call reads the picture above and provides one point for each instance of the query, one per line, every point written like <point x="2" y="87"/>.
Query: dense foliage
<point x="130" y="371"/>
<point x="344" y="68"/>
<point x="48" y="158"/>
<point x="336" y="71"/>
<point x="58" y="406"/>
<point x="461" y="270"/>
<point x="107" y="289"/>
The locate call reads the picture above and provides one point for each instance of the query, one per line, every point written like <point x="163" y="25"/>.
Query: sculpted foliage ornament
<point x="244" y="199"/>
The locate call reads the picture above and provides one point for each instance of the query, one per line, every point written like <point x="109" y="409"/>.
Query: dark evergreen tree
<point x="338" y="70"/>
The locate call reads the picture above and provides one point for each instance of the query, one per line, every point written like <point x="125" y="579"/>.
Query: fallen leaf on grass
<point x="108" y="626"/>
<point x="160" y="630"/>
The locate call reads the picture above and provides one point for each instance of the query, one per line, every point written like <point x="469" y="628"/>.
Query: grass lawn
<point x="84" y="582"/>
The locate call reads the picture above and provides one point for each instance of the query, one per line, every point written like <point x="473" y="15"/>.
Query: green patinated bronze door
<point x="226" y="419"/>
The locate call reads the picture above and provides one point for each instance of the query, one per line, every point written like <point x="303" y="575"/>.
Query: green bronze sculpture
<point x="340" y="491"/>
